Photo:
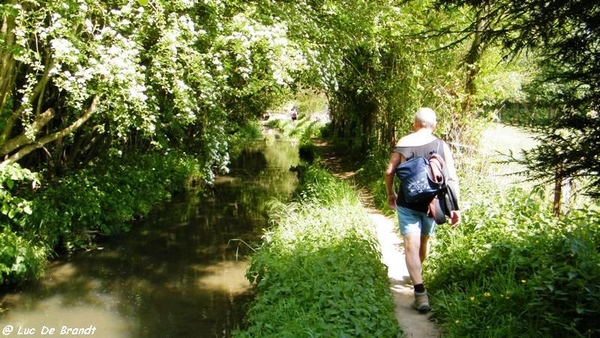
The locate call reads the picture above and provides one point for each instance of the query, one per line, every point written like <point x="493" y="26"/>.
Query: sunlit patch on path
<point x="412" y="322"/>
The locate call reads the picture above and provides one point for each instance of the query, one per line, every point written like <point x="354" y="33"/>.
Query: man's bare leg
<point x="423" y="248"/>
<point x="413" y="256"/>
<point x="415" y="247"/>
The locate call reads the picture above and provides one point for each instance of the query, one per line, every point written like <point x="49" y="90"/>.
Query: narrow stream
<point x="180" y="272"/>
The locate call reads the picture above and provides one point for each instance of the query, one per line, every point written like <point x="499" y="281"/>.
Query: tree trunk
<point x="558" y="182"/>
<point x="7" y="61"/>
<point x="474" y="56"/>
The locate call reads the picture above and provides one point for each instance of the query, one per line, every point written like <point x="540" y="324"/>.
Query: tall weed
<point x="20" y="259"/>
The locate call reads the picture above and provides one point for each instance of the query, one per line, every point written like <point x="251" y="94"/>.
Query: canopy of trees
<point x="87" y="80"/>
<point x="84" y="78"/>
<point x="564" y="36"/>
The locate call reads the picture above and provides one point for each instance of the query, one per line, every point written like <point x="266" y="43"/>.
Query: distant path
<point x="413" y="323"/>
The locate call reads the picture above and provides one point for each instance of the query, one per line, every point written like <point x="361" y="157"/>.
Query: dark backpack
<point x="424" y="180"/>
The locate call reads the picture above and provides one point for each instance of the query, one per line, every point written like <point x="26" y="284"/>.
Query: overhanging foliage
<point x="565" y="34"/>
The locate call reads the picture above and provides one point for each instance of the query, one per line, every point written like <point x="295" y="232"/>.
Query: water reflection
<point x="176" y="274"/>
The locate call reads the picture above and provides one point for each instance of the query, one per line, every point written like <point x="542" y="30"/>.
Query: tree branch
<point x="20" y="140"/>
<point x="37" y="90"/>
<point x="55" y="136"/>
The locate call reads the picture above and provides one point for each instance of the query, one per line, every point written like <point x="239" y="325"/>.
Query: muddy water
<point x="177" y="273"/>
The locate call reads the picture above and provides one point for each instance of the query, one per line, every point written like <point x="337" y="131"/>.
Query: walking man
<point x="416" y="226"/>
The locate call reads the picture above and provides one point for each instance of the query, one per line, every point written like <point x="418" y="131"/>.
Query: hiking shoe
<point x="421" y="303"/>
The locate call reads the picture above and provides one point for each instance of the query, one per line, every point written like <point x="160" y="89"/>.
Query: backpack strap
<point x="436" y="168"/>
<point x="437" y="149"/>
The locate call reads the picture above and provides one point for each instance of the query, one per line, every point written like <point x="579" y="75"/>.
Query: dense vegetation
<point x="86" y="87"/>
<point x="513" y="270"/>
<point x="107" y="107"/>
<point x="71" y="212"/>
<point x="318" y="271"/>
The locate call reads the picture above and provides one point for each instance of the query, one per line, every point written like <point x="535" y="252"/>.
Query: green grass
<point x="319" y="272"/>
<point x="512" y="270"/>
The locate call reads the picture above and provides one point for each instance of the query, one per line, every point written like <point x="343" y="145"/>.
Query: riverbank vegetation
<point x="318" y="271"/>
<point x="512" y="269"/>
<point x="100" y="200"/>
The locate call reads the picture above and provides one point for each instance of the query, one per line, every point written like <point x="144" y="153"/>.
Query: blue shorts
<point x="412" y="221"/>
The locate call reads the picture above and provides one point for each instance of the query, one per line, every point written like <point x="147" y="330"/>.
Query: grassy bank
<point x="318" y="272"/>
<point x="512" y="270"/>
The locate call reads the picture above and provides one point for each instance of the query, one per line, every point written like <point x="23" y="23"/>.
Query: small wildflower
<point x="457" y="321"/>
<point x="487" y="294"/>
<point x="523" y="281"/>
<point x="472" y="298"/>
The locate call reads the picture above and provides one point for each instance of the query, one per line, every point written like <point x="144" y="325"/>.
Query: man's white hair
<point x="426" y="116"/>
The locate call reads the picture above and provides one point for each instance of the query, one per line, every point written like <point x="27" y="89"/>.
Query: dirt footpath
<point x="412" y="322"/>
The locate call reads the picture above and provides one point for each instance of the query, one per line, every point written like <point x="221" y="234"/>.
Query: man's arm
<point x="395" y="159"/>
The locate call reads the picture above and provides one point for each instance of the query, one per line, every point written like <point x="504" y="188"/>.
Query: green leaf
<point x="143" y="2"/>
